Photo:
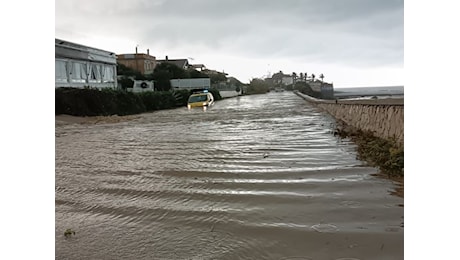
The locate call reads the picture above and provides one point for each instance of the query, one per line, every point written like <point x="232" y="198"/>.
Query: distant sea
<point x="389" y="91"/>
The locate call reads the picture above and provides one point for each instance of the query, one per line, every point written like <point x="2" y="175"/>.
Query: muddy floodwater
<point x="253" y="177"/>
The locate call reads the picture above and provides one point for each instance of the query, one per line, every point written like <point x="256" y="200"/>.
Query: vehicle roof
<point x="199" y="94"/>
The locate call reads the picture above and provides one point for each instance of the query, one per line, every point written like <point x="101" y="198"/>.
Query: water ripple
<point x="250" y="178"/>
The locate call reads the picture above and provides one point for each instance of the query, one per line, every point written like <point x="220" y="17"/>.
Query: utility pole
<point x="135" y="58"/>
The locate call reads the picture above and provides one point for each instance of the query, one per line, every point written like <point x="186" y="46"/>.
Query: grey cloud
<point x="358" y="32"/>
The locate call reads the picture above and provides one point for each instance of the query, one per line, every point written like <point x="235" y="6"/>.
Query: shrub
<point x="386" y="154"/>
<point x="129" y="103"/>
<point x="215" y="93"/>
<point x="181" y="97"/>
<point x="158" y="100"/>
<point x="258" y="86"/>
<point x="125" y="82"/>
<point x="95" y="102"/>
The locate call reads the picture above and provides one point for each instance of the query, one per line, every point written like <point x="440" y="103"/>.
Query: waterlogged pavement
<point x="254" y="177"/>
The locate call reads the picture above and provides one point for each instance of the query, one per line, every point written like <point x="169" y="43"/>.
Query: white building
<point x="142" y="86"/>
<point x="287" y="80"/>
<point x="81" y="66"/>
<point x="191" y="83"/>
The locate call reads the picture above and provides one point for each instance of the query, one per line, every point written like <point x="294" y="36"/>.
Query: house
<point x="315" y="85"/>
<point x="287" y="80"/>
<point x="214" y="72"/>
<point x="144" y="63"/>
<point x="280" y="78"/>
<point x="199" y="67"/>
<point x="327" y="91"/>
<point x="181" y="63"/>
<point x="142" y="86"/>
<point x="81" y="66"/>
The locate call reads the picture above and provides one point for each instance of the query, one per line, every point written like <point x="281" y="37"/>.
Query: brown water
<point x="254" y="177"/>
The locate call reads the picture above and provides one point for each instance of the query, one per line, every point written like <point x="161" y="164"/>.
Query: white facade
<point x="191" y="83"/>
<point x="82" y="66"/>
<point x="142" y="86"/>
<point x="287" y="80"/>
<point x="315" y="86"/>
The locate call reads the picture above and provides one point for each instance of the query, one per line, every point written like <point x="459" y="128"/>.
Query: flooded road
<point x="254" y="177"/>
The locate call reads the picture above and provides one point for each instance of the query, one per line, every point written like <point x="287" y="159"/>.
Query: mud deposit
<point x="254" y="177"/>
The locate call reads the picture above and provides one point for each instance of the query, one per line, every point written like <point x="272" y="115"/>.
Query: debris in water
<point x="69" y="232"/>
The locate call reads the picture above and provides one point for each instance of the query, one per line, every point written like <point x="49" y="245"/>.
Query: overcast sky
<point x="354" y="43"/>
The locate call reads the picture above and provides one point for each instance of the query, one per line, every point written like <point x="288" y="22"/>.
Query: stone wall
<point x="385" y="118"/>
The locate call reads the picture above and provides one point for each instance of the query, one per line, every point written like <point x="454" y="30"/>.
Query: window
<point x="78" y="72"/>
<point x="198" y="98"/>
<point x="60" y="71"/>
<point x="108" y="74"/>
<point x="95" y="73"/>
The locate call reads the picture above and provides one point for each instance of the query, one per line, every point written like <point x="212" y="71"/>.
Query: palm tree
<point x="321" y="77"/>
<point x="294" y="77"/>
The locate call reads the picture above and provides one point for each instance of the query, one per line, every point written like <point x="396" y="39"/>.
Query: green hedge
<point x="95" y="102"/>
<point x="182" y="96"/>
<point x="157" y="100"/>
<point x="105" y="102"/>
<point x="216" y="94"/>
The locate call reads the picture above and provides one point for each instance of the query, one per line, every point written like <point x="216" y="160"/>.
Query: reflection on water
<point x="254" y="177"/>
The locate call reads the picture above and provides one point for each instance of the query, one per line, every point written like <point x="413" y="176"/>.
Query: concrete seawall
<point x="383" y="117"/>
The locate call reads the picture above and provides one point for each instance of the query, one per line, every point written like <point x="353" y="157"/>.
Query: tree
<point x="278" y="75"/>
<point x="321" y="77"/>
<point x="173" y="69"/>
<point x="196" y="74"/>
<point x="123" y="70"/>
<point x="277" y="78"/>
<point x="125" y="82"/>
<point x="164" y="72"/>
<point x="215" y="76"/>
<point x="258" y="86"/>
<point x="162" y="80"/>
<point x="304" y="88"/>
<point x="235" y="81"/>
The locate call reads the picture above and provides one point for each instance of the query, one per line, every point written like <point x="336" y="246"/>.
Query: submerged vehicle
<point x="202" y="99"/>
